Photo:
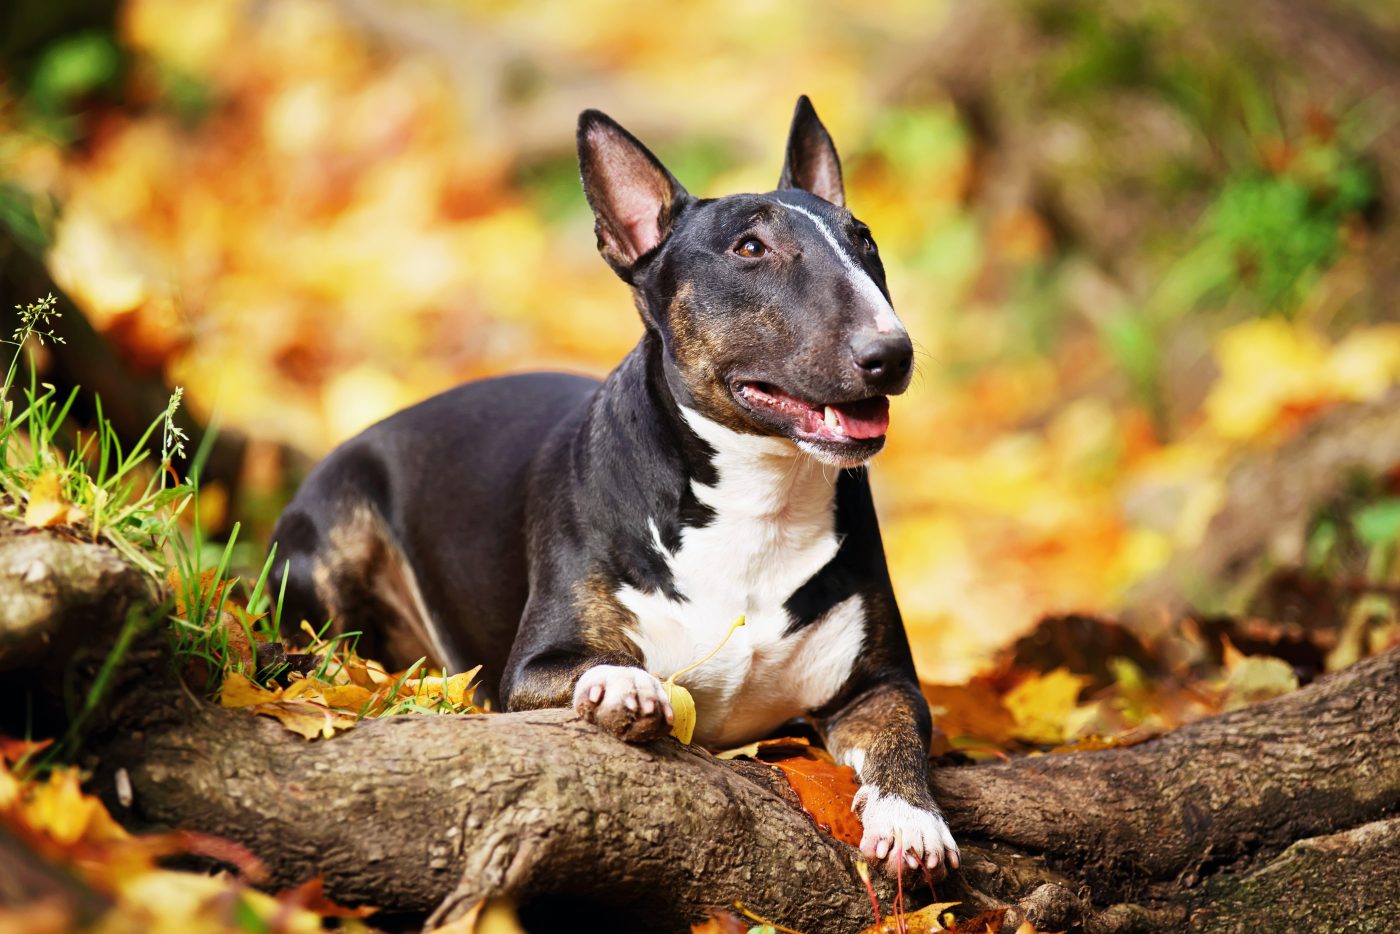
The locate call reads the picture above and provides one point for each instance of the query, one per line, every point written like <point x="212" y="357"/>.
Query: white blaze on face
<point x="886" y="320"/>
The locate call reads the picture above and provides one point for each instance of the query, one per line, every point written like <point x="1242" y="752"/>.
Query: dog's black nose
<point x="883" y="359"/>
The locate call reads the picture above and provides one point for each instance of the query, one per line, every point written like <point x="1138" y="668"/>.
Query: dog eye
<point x="868" y="244"/>
<point x="752" y="248"/>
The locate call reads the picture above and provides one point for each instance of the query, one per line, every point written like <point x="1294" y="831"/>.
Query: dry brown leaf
<point x="1256" y="678"/>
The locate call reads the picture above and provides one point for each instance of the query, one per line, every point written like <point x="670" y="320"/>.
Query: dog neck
<point x="688" y="468"/>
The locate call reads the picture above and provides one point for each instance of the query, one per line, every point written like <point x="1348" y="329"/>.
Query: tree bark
<point x="1197" y="826"/>
<point x="1251" y="820"/>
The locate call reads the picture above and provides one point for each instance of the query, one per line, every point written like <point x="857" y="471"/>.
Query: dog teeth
<point x="832" y="422"/>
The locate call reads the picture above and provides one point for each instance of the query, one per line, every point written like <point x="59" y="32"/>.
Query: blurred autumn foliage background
<point x="1142" y="247"/>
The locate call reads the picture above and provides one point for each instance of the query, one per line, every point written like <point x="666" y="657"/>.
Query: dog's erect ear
<point x="634" y="198"/>
<point x="812" y="164"/>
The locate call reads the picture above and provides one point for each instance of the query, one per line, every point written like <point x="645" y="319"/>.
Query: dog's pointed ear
<point x="634" y="199"/>
<point x="812" y="164"/>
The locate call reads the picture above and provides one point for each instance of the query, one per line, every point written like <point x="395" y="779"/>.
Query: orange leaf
<point x="311" y="895"/>
<point x="972" y="711"/>
<point x="721" y="922"/>
<point x="13" y="750"/>
<point x="826" y="791"/>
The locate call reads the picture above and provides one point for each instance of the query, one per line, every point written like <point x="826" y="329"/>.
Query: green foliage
<point x="71" y="68"/>
<point x="1356" y="537"/>
<point x="1282" y="229"/>
<point x="116" y="495"/>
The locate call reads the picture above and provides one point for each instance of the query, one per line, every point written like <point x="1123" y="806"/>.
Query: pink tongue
<point x="868" y="419"/>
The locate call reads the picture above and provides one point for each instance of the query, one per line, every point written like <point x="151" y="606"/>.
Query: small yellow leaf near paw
<point x="683" y="704"/>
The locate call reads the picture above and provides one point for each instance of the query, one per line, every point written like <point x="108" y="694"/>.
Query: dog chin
<point x="846" y="460"/>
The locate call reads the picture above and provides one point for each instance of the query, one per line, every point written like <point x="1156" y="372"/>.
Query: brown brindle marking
<point x="890" y="727"/>
<point x="604" y="622"/>
<point x="368" y="587"/>
<point x="698" y="344"/>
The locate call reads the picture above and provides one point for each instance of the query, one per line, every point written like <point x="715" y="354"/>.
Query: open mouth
<point x="859" y="424"/>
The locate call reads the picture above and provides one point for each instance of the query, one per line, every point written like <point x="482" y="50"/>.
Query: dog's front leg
<point x="883" y="733"/>
<point x="612" y="690"/>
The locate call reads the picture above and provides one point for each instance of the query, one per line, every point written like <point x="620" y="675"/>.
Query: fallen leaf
<point x="973" y="711"/>
<point x="58" y="808"/>
<point x="307" y="717"/>
<point x="13" y="750"/>
<point x="47" y="506"/>
<point x="1258" y="678"/>
<point x="683" y="704"/>
<point x="988" y="922"/>
<point x="927" y="920"/>
<point x="1041" y="704"/>
<point x="826" y="791"/>
<point x="311" y="896"/>
<point x="755" y="750"/>
<point x="458" y="689"/>
<point x="238" y="691"/>
<point x="721" y="922"/>
<point x="346" y="696"/>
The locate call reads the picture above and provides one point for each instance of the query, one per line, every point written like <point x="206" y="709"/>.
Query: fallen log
<point x="1210" y="827"/>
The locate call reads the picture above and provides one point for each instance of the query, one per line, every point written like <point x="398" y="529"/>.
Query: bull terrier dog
<point x="577" y="537"/>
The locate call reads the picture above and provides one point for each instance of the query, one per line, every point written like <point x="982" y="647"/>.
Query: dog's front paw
<point x="900" y="834"/>
<point x="627" y="702"/>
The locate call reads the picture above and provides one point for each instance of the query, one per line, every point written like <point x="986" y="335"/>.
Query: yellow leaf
<point x="238" y="691"/>
<point x="684" y="706"/>
<point x="308" y="688"/>
<point x="752" y="750"/>
<point x="346" y="696"/>
<point x="1255" y="678"/>
<point x="47" y="505"/>
<point x="924" y="921"/>
<point x="460" y="689"/>
<point x="307" y="718"/>
<point x="489" y="916"/>
<point x="681" y="702"/>
<point x="59" y="808"/>
<point x="1042" y="704"/>
<point x="1266" y="365"/>
<point x="457" y="688"/>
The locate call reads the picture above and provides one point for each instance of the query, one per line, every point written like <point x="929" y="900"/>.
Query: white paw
<point x="628" y="702"/>
<point x="904" y="836"/>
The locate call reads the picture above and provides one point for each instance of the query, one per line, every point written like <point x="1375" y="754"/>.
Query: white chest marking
<point x="774" y="528"/>
<point x="885" y="318"/>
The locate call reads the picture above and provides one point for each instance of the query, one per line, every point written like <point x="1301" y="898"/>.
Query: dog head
<point x="771" y="309"/>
